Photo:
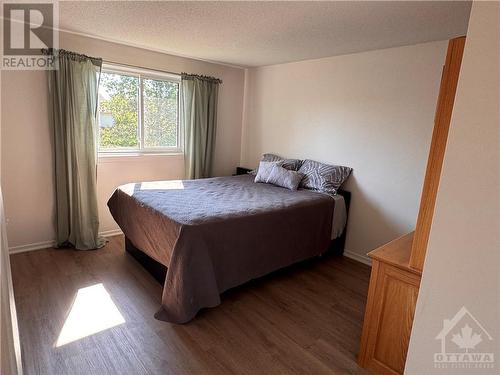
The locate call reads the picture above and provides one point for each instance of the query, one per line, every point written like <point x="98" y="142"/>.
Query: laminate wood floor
<point x="92" y="313"/>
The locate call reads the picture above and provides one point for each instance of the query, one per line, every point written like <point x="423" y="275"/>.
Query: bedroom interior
<point x="272" y="188"/>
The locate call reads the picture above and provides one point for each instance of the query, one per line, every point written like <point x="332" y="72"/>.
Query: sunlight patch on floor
<point x="93" y="311"/>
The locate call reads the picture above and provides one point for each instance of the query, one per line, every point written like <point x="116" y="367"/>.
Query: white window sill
<point x="109" y="157"/>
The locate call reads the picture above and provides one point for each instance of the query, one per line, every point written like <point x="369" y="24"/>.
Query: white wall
<point x="372" y="111"/>
<point x="27" y="178"/>
<point x="462" y="267"/>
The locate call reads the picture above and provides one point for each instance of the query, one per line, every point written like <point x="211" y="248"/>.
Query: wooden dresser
<point x="391" y="305"/>
<point x="397" y="266"/>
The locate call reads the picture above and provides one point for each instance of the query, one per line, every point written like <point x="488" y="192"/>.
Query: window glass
<point x="118" y="111"/>
<point x="138" y="113"/>
<point x="160" y="113"/>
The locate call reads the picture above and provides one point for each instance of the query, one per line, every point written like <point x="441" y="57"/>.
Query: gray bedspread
<point x="214" y="234"/>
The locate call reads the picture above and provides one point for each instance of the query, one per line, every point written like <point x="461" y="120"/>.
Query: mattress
<point x="214" y="234"/>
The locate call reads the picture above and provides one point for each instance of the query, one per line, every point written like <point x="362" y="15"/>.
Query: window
<point x="138" y="111"/>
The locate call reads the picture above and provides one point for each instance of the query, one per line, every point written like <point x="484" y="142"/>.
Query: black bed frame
<point x="156" y="269"/>
<point x="159" y="271"/>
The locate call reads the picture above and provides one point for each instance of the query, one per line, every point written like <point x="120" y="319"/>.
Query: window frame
<point x="142" y="74"/>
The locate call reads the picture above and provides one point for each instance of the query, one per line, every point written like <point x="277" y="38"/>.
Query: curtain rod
<point x="140" y="67"/>
<point x="73" y="55"/>
<point x="208" y="78"/>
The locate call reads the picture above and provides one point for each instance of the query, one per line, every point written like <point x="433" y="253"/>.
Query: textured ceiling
<point x="264" y="33"/>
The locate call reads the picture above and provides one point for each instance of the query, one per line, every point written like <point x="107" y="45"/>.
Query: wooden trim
<point x="444" y="108"/>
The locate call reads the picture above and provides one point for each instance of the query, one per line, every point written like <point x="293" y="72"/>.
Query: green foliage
<point x="122" y="102"/>
<point x="160" y="113"/>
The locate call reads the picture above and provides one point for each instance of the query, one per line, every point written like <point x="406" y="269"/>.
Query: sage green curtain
<point x="199" y="111"/>
<point x="73" y="95"/>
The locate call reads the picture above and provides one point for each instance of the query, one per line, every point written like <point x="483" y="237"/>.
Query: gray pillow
<point x="323" y="177"/>
<point x="264" y="170"/>
<point x="271" y="157"/>
<point x="291" y="164"/>
<point x="280" y="176"/>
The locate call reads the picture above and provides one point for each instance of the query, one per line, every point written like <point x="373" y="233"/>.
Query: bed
<point x="214" y="234"/>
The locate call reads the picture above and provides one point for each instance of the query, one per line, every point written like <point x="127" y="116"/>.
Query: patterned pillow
<point x="290" y="164"/>
<point x="264" y="170"/>
<point x="271" y="157"/>
<point x="323" y="177"/>
<point x="280" y="176"/>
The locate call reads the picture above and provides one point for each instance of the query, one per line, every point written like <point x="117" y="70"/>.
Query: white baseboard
<point x="49" y="244"/>
<point x="111" y="233"/>
<point x="31" y="247"/>
<point x="358" y="257"/>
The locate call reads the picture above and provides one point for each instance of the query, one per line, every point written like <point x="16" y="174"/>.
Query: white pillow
<point x="265" y="168"/>
<point x="283" y="177"/>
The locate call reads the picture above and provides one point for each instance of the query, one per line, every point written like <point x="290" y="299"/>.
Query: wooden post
<point x="444" y="108"/>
